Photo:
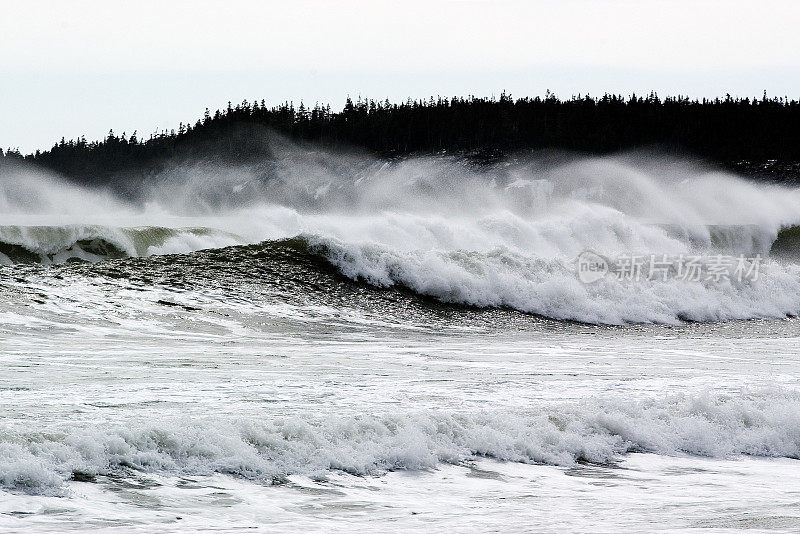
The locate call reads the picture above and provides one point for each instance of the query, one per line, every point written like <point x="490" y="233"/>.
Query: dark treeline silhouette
<point x="726" y="130"/>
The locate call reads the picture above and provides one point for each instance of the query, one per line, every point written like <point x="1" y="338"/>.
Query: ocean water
<point x="328" y="343"/>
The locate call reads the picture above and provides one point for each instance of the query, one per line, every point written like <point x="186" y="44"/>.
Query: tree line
<point x="726" y="130"/>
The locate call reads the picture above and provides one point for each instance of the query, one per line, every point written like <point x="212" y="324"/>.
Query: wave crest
<point x="597" y="430"/>
<point x="551" y="287"/>
<point x="59" y="244"/>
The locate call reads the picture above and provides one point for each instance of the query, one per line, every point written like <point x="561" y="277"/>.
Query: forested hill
<point x="725" y="130"/>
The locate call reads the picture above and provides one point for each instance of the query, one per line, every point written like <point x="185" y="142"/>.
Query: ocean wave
<point x="500" y="236"/>
<point x="501" y="277"/>
<point x="552" y="288"/>
<point x="92" y="243"/>
<point x="265" y="450"/>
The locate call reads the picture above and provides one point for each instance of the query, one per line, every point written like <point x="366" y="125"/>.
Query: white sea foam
<point x="550" y="287"/>
<point x="58" y="244"/>
<point x="502" y="236"/>
<point x="595" y="430"/>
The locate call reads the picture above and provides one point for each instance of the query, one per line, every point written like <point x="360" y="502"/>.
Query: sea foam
<point x="597" y="430"/>
<point x="502" y="235"/>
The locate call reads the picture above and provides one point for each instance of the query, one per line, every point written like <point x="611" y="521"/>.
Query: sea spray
<point x="507" y="235"/>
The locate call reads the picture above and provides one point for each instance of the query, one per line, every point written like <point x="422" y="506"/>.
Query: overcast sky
<point x="83" y="67"/>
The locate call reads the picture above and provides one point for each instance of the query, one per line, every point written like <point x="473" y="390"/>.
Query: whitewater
<point x="325" y="341"/>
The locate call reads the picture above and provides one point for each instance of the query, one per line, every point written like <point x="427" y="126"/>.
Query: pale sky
<point x="83" y="67"/>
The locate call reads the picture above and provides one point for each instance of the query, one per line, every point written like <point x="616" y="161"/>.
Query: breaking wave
<point x="59" y="244"/>
<point x="597" y="431"/>
<point x="551" y="287"/>
<point x="504" y="235"/>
